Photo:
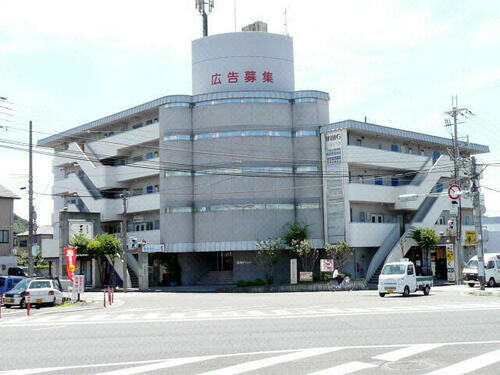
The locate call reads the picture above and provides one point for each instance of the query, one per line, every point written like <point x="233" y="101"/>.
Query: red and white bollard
<point x="112" y="294"/>
<point x="1" y="304"/>
<point x="28" y="303"/>
<point x="104" y="290"/>
<point x="109" y="296"/>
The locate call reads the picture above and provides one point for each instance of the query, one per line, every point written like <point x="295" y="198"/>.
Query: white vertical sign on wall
<point x="335" y="170"/>
<point x="450" y="262"/>
<point x="293" y="271"/>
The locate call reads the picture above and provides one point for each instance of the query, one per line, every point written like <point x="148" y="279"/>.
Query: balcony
<point x="140" y="169"/>
<point x="383" y="158"/>
<point x="368" y="234"/>
<point x="372" y="193"/>
<point x="144" y="202"/>
<point x="111" y="146"/>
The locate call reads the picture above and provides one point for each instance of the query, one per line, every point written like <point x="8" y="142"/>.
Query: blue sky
<point x="397" y="62"/>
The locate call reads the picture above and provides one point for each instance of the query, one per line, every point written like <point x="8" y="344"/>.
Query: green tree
<point x="307" y="253"/>
<point x="296" y="231"/>
<point x="340" y="253"/>
<point x="267" y="255"/>
<point x="100" y="247"/>
<point x="426" y="239"/>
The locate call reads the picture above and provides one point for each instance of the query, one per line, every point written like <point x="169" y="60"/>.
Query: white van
<point x="491" y="270"/>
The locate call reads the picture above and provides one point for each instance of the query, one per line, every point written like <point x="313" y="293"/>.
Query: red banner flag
<point x="70" y="253"/>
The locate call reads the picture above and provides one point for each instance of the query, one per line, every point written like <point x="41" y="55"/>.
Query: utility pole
<point x="124" y="197"/>
<point x="478" y="223"/>
<point x="455" y="111"/>
<point x="30" y="203"/>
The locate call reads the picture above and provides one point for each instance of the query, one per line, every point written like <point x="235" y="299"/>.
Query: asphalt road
<point x="287" y="333"/>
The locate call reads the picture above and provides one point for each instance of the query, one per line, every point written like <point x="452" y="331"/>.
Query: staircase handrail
<point x="382" y="252"/>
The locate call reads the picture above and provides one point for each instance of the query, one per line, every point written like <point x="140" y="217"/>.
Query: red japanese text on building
<point x="248" y="76"/>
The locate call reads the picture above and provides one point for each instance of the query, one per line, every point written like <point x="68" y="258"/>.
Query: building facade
<point x="211" y="173"/>
<point x="7" y="221"/>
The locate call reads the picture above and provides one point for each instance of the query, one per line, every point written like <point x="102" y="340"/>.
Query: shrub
<point x="244" y="283"/>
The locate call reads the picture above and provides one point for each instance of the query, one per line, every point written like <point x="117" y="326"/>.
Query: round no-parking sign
<point x="454" y="191"/>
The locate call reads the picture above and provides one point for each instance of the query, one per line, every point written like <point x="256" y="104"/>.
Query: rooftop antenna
<point x="203" y="7"/>
<point x="285" y="21"/>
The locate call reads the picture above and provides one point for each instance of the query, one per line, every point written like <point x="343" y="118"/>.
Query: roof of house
<point x="6" y="193"/>
<point x="42" y="230"/>
<point x="394" y="132"/>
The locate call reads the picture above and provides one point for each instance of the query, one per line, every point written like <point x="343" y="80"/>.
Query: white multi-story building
<point x="210" y="173"/>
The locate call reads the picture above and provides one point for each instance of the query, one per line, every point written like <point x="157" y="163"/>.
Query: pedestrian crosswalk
<point x="432" y="359"/>
<point x="158" y="315"/>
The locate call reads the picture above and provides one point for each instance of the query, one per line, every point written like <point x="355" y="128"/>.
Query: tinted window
<point x="410" y="269"/>
<point x="2" y="281"/>
<point x="490" y="265"/>
<point x="40" y="284"/>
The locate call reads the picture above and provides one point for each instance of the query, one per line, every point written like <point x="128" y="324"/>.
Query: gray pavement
<point x="279" y="333"/>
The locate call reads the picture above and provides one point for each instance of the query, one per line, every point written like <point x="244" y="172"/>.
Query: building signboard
<point x="153" y="248"/>
<point x="81" y="227"/>
<point x="293" y="271"/>
<point x="470" y="237"/>
<point x="78" y="284"/>
<point x="450" y="262"/>
<point x="306" y="276"/>
<point x="326" y="265"/>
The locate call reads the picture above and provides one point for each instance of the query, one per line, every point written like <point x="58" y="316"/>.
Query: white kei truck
<point x="400" y="278"/>
<point x="491" y="270"/>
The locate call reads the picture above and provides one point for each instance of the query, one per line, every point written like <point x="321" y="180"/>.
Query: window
<point x="39" y="284"/>
<point x="377" y="218"/>
<point x="305" y="133"/>
<point x="157" y="224"/>
<point x="378" y="180"/>
<point x="380" y="146"/>
<point x="109" y="134"/>
<point x="438" y="188"/>
<point x="395" y="148"/>
<point x="306" y="100"/>
<point x="172" y="105"/>
<point x="394" y="181"/>
<point x="23" y="243"/>
<point x="410" y="150"/>
<point x="149" y="189"/>
<point x="149" y="122"/>
<point x="137" y="126"/>
<point x="362" y="217"/>
<point x="157" y="188"/>
<point x="490" y="265"/>
<point x="136" y="191"/>
<point x="410" y="269"/>
<point x="4" y="236"/>
<point x="149" y="155"/>
<point x="441" y="221"/>
<point x="498" y="264"/>
<point x="149" y="225"/>
<point x="422" y="152"/>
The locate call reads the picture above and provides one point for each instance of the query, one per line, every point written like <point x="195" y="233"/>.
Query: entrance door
<point x="224" y="261"/>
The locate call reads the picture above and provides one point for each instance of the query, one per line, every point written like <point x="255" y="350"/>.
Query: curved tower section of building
<point x="244" y="154"/>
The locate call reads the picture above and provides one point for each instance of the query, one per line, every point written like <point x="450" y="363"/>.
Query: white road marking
<point x="334" y="311"/>
<point x="158" y="366"/>
<point x="177" y="315"/>
<point x="266" y="362"/>
<point x="47" y="318"/>
<point x="150" y="315"/>
<point x="469" y="365"/>
<point x="346" y="368"/>
<point x="69" y="318"/>
<point x="98" y="317"/>
<point x="281" y="312"/>
<point x="398" y="354"/>
<point x="255" y="312"/>
<point x="124" y="316"/>
<point x="204" y="315"/>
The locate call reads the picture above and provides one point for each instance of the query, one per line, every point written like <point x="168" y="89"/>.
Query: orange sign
<point x="70" y="253"/>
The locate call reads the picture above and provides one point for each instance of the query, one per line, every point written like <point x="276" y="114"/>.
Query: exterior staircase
<point x="428" y="209"/>
<point x="216" y="278"/>
<point x="134" y="281"/>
